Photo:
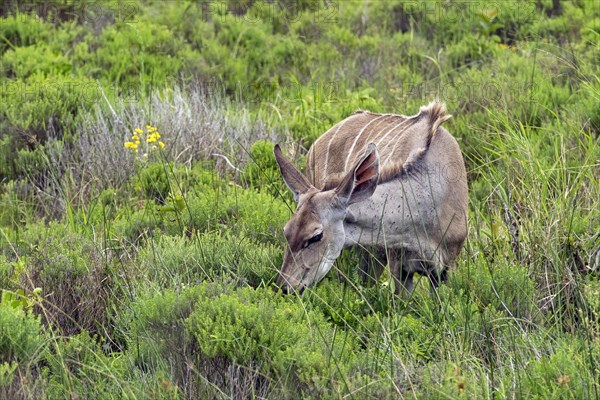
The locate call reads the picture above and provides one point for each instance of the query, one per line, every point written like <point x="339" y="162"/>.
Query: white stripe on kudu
<point x="351" y="151"/>
<point x="408" y="120"/>
<point x="403" y="124"/>
<point x="340" y="125"/>
<point x="375" y="181"/>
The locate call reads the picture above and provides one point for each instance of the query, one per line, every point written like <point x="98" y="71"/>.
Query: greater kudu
<point x="391" y="184"/>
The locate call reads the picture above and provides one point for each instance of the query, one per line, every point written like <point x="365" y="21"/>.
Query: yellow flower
<point x="135" y="137"/>
<point x="153" y="137"/>
<point x="154" y="148"/>
<point x="150" y="128"/>
<point x="137" y="142"/>
<point x="161" y="144"/>
<point x="130" y="145"/>
<point x="139" y="131"/>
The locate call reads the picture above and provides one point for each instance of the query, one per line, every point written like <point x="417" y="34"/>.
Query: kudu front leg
<point x="437" y="277"/>
<point x="371" y="264"/>
<point x="402" y="273"/>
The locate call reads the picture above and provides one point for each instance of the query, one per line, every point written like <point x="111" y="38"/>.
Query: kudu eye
<point x="316" y="238"/>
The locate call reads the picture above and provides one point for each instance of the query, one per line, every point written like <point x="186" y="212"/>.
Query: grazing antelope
<point x="391" y="184"/>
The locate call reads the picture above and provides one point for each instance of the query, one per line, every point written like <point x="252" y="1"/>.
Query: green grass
<point x="141" y="277"/>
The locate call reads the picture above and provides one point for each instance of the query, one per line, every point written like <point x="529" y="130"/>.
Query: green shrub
<point x="135" y="226"/>
<point x="22" y="344"/>
<point x="179" y="262"/>
<point x="208" y="204"/>
<point x="262" y="171"/>
<point x="140" y="55"/>
<point x="261" y="329"/>
<point x="155" y="183"/>
<point x="7" y="371"/>
<point x="471" y="50"/>
<point x="158" y="340"/>
<point x="74" y="275"/>
<point x="6" y="272"/>
<point x="160" y="181"/>
<point x="16" y="207"/>
<point x="241" y="211"/>
<point x="563" y="373"/>
<point x="454" y="380"/>
<point x="565" y="27"/>
<point x="507" y="288"/>
<point x="22" y="30"/>
<point x="23" y="62"/>
<point x="35" y="106"/>
<point x="340" y="304"/>
<point x="79" y="367"/>
<point x="411" y="338"/>
<point x="591" y="294"/>
<point x="154" y="324"/>
<point x="254" y="333"/>
<point x="22" y="338"/>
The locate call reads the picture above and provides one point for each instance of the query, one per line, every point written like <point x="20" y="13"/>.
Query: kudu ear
<point x="360" y="182"/>
<point x="293" y="178"/>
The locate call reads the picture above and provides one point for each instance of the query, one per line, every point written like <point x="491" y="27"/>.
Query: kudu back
<point x="395" y="186"/>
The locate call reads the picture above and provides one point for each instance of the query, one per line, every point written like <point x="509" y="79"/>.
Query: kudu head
<point x="315" y="233"/>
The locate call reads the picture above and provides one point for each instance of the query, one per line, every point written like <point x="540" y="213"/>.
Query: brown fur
<point x="401" y="141"/>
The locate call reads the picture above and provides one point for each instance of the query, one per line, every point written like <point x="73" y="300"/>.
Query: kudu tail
<point x="434" y="115"/>
<point x="435" y="112"/>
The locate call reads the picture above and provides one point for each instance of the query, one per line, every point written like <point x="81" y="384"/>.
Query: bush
<point x="172" y="261"/>
<point x="253" y="334"/>
<point x="22" y="338"/>
<point x="207" y="204"/>
<point x="247" y="212"/>
<point x="6" y="272"/>
<point x="22" y="30"/>
<point x="16" y="208"/>
<point x="562" y="373"/>
<point x="143" y="222"/>
<point x="22" y="344"/>
<point x="262" y="170"/>
<point x="79" y="367"/>
<point x="74" y="275"/>
<point x="506" y="288"/>
<point x="23" y="62"/>
<point x="155" y="183"/>
<point x="152" y="56"/>
<point x="39" y="106"/>
<point x="260" y="329"/>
